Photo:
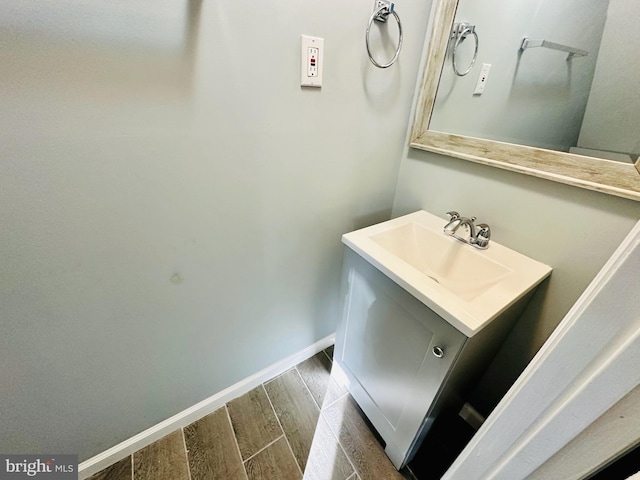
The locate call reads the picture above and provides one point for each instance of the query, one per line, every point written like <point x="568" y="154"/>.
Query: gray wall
<point x="573" y="230"/>
<point x="171" y="224"/>
<point x="172" y="200"/>
<point x="537" y="98"/>
<point x="612" y="116"/>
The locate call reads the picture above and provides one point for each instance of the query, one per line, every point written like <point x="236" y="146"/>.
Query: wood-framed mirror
<point x="609" y="176"/>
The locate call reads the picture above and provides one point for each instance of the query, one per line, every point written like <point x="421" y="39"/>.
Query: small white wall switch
<point x="311" y="62"/>
<point x="482" y="79"/>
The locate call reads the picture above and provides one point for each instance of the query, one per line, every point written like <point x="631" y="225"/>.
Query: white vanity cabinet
<point x="401" y="361"/>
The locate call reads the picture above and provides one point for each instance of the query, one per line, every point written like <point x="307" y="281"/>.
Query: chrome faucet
<point x="479" y="235"/>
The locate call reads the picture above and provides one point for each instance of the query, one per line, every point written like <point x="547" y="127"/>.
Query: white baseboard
<point x="199" y="410"/>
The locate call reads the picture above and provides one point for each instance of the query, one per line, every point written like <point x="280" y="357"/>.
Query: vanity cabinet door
<point x="395" y="352"/>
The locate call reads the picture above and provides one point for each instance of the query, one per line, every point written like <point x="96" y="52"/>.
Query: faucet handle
<point x="484" y="230"/>
<point x="483" y="236"/>
<point x="453" y="215"/>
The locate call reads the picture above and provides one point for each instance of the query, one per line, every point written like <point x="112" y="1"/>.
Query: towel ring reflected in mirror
<point x="460" y="32"/>
<point x="600" y="174"/>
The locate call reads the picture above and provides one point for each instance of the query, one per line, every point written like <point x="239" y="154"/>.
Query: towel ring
<point x="382" y="13"/>
<point x="460" y="32"/>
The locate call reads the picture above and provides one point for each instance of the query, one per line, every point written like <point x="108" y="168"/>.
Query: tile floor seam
<point x="281" y="428"/>
<point x="263" y="449"/>
<point x="323" y="417"/>
<point x="307" y="388"/>
<point x="323" y="406"/>
<point x="337" y="438"/>
<point x="334" y="401"/>
<point x="235" y="440"/>
<point x="186" y="452"/>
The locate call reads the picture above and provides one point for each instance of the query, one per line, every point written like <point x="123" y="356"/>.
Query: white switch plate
<point x="482" y="79"/>
<point x="311" y="61"/>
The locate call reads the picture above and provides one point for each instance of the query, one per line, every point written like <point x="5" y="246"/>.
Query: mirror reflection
<point x="574" y="89"/>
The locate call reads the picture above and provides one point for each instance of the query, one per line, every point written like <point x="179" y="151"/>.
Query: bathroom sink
<point x="465" y="286"/>
<point x="463" y="270"/>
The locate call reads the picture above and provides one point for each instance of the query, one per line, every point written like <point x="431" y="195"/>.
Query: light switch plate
<point x="311" y="61"/>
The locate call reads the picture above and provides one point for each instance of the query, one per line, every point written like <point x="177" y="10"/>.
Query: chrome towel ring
<point x="461" y="31"/>
<point x="381" y="15"/>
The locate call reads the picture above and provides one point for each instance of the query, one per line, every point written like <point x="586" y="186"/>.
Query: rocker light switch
<point x="311" y="49"/>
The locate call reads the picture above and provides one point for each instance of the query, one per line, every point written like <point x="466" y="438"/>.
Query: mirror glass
<point x="553" y="83"/>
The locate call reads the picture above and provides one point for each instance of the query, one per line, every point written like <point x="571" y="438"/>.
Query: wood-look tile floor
<point x="301" y="424"/>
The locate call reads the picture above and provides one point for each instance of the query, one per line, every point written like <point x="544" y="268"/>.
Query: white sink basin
<point x="466" y="286"/>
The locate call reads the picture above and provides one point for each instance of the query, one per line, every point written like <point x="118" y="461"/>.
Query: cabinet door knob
<point x="438" y="352"/>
